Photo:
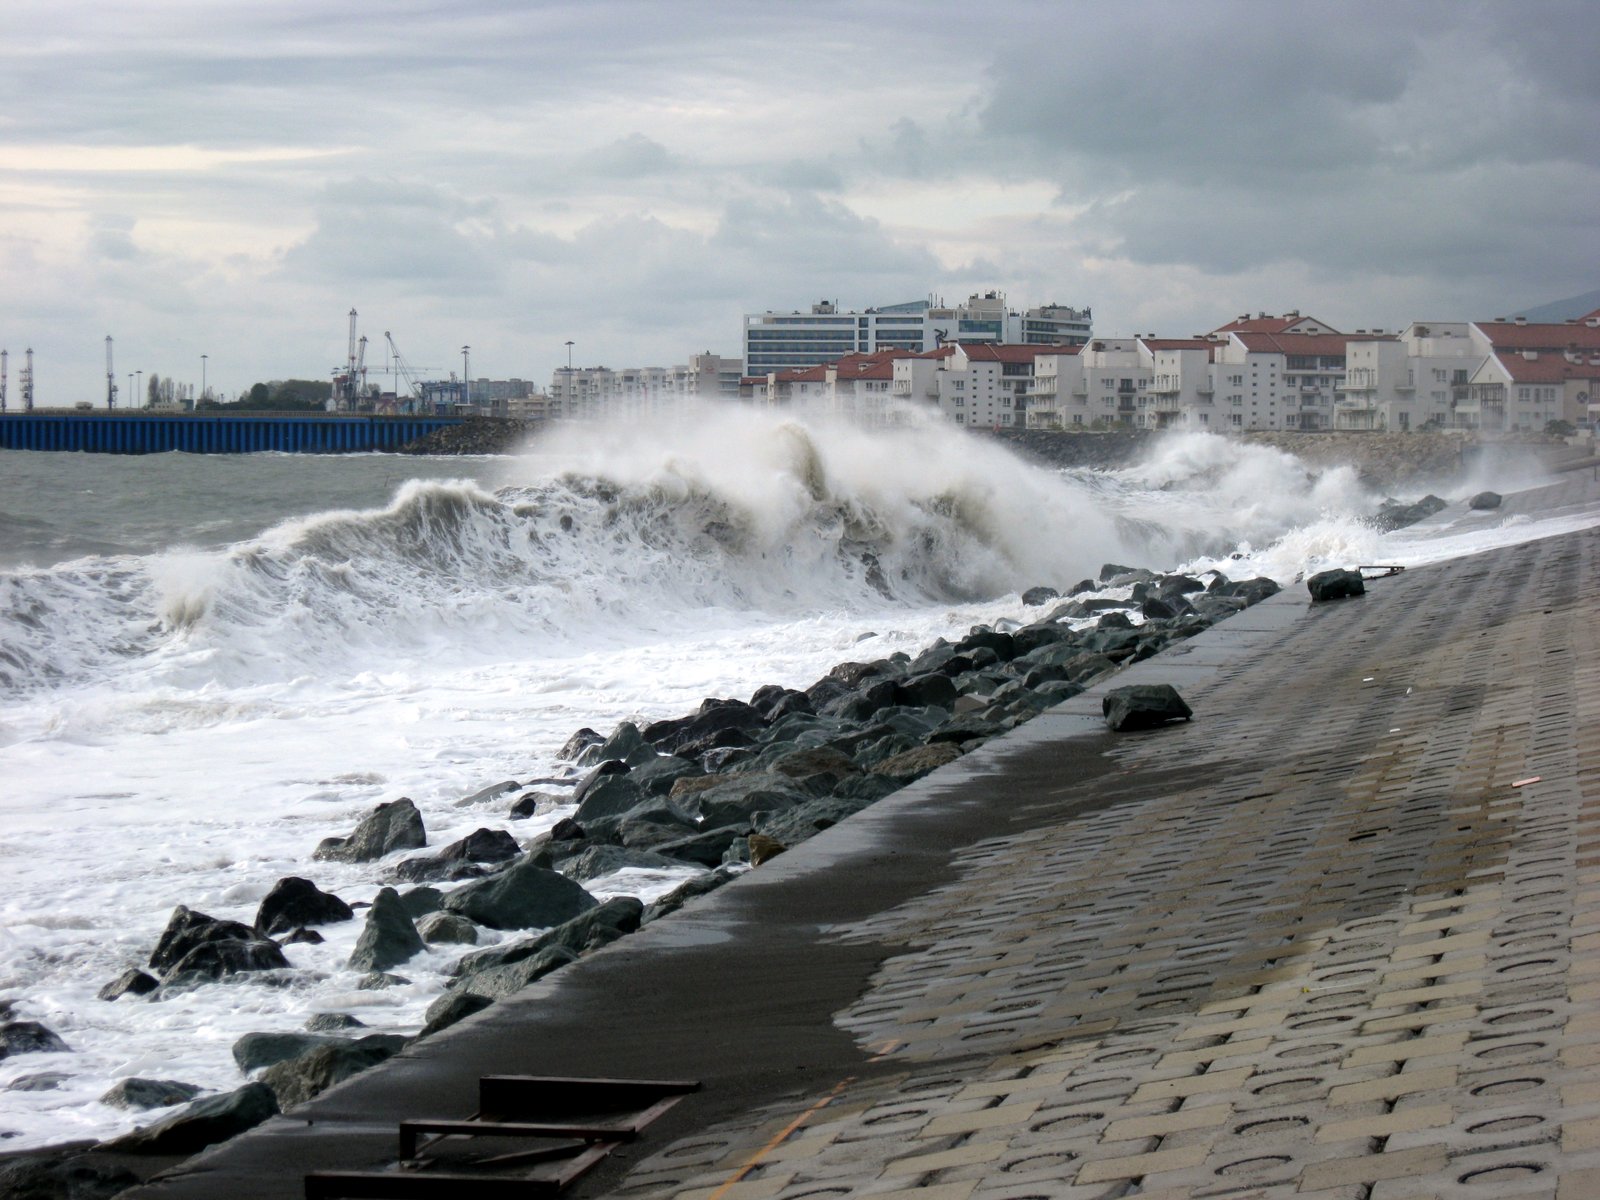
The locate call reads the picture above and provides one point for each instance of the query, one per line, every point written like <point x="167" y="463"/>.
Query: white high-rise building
<point x="776" y="341"/>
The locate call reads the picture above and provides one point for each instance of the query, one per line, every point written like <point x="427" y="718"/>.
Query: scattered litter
<point x="1383" y="571"/>
<point x="1527" y="781"/>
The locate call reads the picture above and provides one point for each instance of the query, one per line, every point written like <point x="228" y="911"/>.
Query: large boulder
<point x="188" y="928"/>
<point x="389" y="937"/>
<point x="203" y="1123"/>
<point x="396" y="825"/>
<point x="1143" y="706"/>
<point x="714" y="717"/>
<point x="525" y="896"/>
<point x="256" y="1050"/>
<point x="1485" y="501"/>
<point x="450" y="1008"/>
<point x="296" y="1080"/>
<point x="1337" y="584"/>
<point x="227" y="956"/>
<point x="458" y="860"/>
<point x="495" y="983"/>
<point x="68" y="1174"/>
<point x="600" y="926"/>
<point x="687" y="891"/>
<point x="596" y="861"/>
<point x="447" y="929"/>
<point x="29" y="1037"/>
<point x="915" y="763"/>
<point x="611" y="796"/>
<point x="295" y="903"/>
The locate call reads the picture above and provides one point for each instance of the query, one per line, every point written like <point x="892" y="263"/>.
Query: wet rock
<point x="763" y="848"/>
<point x="1143" y="706"/>
<point x="715" y="717"/>
<point x="600" y="926"/>
<point x="389" y="937"/>
<point x="227" y="956"/>
<point x="203" y="1123"/>
<point x="39" y="1081"/>
<point x="1395" y="515"/>
<point x="536" y="804"/>
<point x="914" y="764"/>
<point x="256" y="1050"/>
<point x="498" y="982"/>
<point x="450" y="1008"/>
<point x="188" y="929"/>
<point x="1251" y="591"/>
<point x="458" y="860"/>
<point x="447" y="929"/>
<point x="377" y="981"/>
<point x="1484" y="501"/>
<point x="523" y="897"/>
<point x="1116" y="619"/>
<point x="624" y="740"/>
<point x="1036" y="596"/>
<point x="567" y="830"/>
<point x="131" y="982"/>
<point x="1337" y="584"/>
<point x="597" y="861"/>
<point x="420" y="901"/>
<point x="396" y="825"/>
<point x="610" y="796"/>
<point x="142" y="1094"/>
<point x="578" y="743"/>
<point x="295" y="903"/>
<point x="62" y="1175"/>
<point x="689" y="890"/>
<point x="297" y="1080"/>
<point x="493" y="792"/>
<point x="304" y="937"/>
<point x="703" y="849"/>
<point x="333" y="1022"/>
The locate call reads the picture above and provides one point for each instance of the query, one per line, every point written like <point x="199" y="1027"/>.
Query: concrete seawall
<point x="204" y="433"/>
<point x="1334" y="938"/>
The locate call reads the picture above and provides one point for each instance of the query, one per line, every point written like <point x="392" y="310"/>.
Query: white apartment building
<point x="632" y="393"/>
<point x="1533" y="374"/>
<point x="858" y="388"/>
<point x="1106" y="383"/>
<point x="1416" y="382"/>
<point x="775" y="341"/>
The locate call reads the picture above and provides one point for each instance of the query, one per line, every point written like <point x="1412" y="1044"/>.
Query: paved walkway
<point x="1336" y="938"/>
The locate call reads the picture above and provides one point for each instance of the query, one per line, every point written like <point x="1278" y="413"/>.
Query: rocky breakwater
<point x="717" y="792"/>
<point x="477" y="435"/>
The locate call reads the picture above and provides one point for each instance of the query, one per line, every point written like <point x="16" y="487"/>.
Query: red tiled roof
<point x="1508" y="335"/>
<point x="1006" y="352"/>
<point x="1547" y="368"/>
<point x="1332" y="344"/>
<point x="1266" y="324"/>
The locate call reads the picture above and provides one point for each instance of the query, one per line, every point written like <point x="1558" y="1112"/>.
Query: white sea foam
<point x="184" y="725"/>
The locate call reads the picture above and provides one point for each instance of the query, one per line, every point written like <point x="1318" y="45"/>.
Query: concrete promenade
<point x="1337" y="938"/>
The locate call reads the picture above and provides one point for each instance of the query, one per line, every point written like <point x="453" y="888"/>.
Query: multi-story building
<point x="1533" y="374"/>
<point x="634" y="392"/>
<point x="1416" y="382"/>
<point x="1105" y="383"/>
<point x="776" y="341"/>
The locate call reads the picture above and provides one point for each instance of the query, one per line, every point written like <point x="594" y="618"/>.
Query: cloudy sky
<point x="230" y="179"/>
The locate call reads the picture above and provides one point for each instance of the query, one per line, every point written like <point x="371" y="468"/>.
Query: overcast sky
<point x="231" y="179"/>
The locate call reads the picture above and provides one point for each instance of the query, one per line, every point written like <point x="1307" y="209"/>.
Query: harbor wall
<point x="205" y="433"/>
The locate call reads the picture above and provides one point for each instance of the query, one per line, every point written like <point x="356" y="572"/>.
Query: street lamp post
<point x="203" y="358"/>
<point x="569" y="354"/>
<point x="139" y="390"/>
<point x="466" y="375"/>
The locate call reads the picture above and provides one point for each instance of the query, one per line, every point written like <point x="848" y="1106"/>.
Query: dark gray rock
<point x="702" y="849"/>
<point x="534" y="804"/>
<point x="1114" y="620"/>
<point x="61" y="1174"/>
<point x="447" y="929"/>
<point x="307" y="937"/>
<point x="295" y="903"/>
<point x="296" y="1080"/>
<point x="715" y="717"/>
<point x="131" y="982"/>
<point x="39" y="1081"/>
<point x="1337" y="584"/>
<point x="450" y="1008"/>
<point x="396" y="825"/>
<point x="599" y="926"/>
<point x="567" y="830"/>
<point x="689" y="890"/>
<point x="187" y="929"/>
<point x="930" y="690"/>
<point x="389" y="937"/>
<point x="1111" y="570"/>
<point x="1143" y="706"/>
<point x="624" y="740"/>
<point x="228" y="956"/>
<point x="1036" y="596"/>
<point x="597" y="861"/>
<point x="611" y="796"/>
<point x="575" y="745"/>
<point x="333" y="1022"/>
<point x="498" y="982"/>
<point x="142" y="1094"/>
<point x="523" y="897"/>
<point x="421" y="901"/>
<point x="794" y="825"/>
<point x="658" y="773"/>
<point x="377" y="981"/>
<point x="457" y="860"/>
<point x="1251" y="591"/>
<point x="203" y="1123"/>
<point x="917" y="762"/>
<point x="256" y="1050"/>
<point x="1484" y="501"/>
<point x="493" y="792"/>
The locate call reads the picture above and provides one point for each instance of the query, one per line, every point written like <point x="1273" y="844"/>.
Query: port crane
<point x="3" y="356"/>
<point x="111" y="377"/>
<point x="25" y="378"/>
<point x="350" y="381"/>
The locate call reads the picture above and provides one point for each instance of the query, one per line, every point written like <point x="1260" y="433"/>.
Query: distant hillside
<point x="1563" y="310"/>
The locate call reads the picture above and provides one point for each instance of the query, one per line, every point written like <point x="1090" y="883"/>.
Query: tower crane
<point x="404" y="370"/>
<point x="111" y="377"/>
<point x="358" y="378"/>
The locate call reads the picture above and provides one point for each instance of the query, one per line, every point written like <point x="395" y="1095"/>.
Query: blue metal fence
<point x="143" y="433"/>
